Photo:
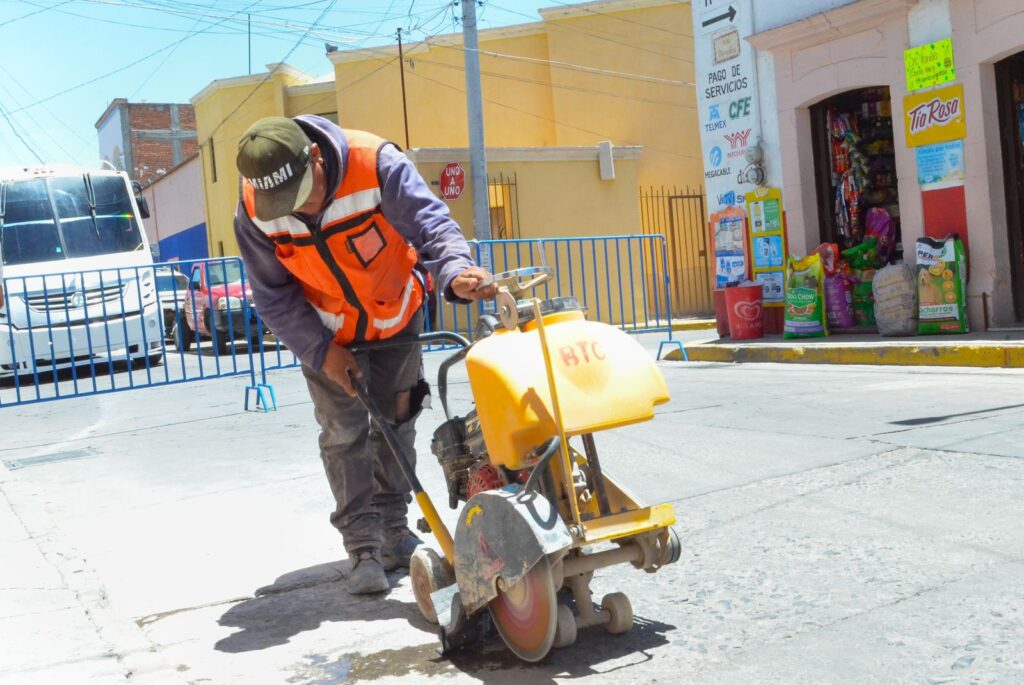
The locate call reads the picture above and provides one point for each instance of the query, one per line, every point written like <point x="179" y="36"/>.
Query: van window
<point x="31" y="233"/>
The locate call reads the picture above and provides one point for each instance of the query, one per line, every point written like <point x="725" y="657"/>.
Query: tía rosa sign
<point x="935" y="116"/>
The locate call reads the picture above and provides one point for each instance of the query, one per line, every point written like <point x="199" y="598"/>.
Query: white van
<point x="78" y="280"/>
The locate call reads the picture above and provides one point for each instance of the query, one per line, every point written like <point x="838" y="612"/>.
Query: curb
<point x="694" y="325"/>
<point x="983" y="356"/>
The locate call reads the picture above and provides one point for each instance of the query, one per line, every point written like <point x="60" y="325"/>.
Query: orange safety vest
<point x="356" y="269"/>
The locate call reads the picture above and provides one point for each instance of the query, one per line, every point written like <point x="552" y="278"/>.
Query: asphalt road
<point x="839" y="524"/>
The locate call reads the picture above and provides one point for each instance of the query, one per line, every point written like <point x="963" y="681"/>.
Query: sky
<point x="63" y="61"/>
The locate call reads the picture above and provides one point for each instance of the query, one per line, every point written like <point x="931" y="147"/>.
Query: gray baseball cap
<point x="273" y="156"/>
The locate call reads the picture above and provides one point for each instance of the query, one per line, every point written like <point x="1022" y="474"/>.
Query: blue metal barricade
<point x="97" y="331"/>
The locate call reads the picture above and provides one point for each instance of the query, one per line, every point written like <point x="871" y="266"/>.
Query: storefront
<point x="855" y="164"/>
<point x="848" y="129"/>
<point x="1010" y="86"/>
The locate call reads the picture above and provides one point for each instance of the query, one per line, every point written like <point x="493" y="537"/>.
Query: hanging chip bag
<point x="805" y="298"/>
<point x="941" y="285"/>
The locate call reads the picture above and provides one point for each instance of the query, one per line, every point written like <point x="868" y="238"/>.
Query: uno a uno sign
<point x="935" y="116"/>
<point x="453" y="181"/>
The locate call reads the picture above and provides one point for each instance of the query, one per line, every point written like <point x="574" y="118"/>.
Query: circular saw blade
<point x="526" y="614"/>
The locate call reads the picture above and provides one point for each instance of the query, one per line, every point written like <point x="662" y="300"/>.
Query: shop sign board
<point x="768" y="243"/>
<point x="929" y="65"/>
<point x="726" y="98"/>
<point x="729" y="245"/>
<point x="942" y="163"/>
<point x="935" y="116"/>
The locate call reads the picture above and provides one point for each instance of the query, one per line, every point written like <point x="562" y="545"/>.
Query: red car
<point x="216" y="306"/>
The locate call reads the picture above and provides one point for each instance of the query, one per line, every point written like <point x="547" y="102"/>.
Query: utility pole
<point x="401" y="70"/>
<point x="248" y="23"/>
<point x="474" y="111"/>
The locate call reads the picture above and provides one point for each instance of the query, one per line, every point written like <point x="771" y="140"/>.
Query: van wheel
<point x="183" y="337"/>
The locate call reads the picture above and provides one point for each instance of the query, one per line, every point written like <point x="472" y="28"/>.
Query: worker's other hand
<point x="338" y="364"/>
<point x="468" y="284"/>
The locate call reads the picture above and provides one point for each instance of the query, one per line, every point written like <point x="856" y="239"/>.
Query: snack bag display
<point x="839" y="300"/>
<point x="829" y="257"/>
<point x="805" y="298"/>
<point x="941" y="286"/>
<point x="864" y="305"/>
<point x="879" y="225"/>
<point x="895" y="291"/>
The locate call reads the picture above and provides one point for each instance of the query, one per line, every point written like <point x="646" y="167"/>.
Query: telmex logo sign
<point x="935" y="116"/>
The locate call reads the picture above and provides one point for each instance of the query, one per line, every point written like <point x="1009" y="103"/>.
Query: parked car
<point x="216" y="306"/>
<point x="171" y="287"/>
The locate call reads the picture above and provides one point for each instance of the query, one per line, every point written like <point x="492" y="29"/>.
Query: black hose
<point x="545" y="457"/>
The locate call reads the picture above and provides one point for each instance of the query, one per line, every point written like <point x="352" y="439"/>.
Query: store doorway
<point x="855" y="165"/>
<point x="1010" y="89"/>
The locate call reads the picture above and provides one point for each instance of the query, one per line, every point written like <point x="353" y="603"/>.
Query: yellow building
<point x="616" y="70"/>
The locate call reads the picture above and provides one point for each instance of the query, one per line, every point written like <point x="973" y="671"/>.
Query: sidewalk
<point x="988" y="350"/>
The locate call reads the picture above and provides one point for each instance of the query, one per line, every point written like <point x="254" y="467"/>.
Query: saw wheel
<point x="526" y="614"/>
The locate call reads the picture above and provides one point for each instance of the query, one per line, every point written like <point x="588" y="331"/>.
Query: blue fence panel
<point x="96" y="331"/>
<point x="90" y="332"/>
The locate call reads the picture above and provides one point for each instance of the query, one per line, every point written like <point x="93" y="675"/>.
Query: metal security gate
<point x="679" y="215"/>
<point x="504" y="199"/>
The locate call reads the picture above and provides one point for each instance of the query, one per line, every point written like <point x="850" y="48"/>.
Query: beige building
<point x="615" y="71"/>
<point x="853" y="54"/>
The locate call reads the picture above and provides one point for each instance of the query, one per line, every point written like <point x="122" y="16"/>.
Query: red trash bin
<point x="746" y="314"/>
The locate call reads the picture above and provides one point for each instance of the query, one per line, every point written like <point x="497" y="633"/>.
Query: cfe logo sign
<point x="453" y="181"/>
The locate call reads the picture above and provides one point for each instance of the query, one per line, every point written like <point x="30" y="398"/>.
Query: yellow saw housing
<point x="604" y="379"/>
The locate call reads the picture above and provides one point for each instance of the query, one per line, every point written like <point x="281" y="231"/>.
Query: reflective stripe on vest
<point x="355" y="269"/>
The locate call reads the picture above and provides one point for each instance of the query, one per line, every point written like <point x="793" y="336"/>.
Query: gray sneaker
<point x="399" y="545"/>
<point x="367" y="574"/>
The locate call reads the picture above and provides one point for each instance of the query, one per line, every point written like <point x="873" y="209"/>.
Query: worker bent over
<point x="337" y="230"/>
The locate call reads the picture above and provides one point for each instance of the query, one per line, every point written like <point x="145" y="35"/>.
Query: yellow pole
<point x="557" y="411"/>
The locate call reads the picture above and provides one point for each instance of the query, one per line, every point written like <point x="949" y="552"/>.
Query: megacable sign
<point x="935" y="116"/>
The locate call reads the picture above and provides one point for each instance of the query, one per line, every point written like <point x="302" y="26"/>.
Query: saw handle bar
<point x="421" y="339"/>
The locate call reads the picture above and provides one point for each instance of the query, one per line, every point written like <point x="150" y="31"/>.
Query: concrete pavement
<point x="840" y="524"/>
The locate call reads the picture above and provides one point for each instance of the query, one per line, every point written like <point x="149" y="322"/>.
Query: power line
<point x="554" y="121"/>
<point x="271" y="73"/>
<point x="594" y="35"/>
<point x="46" y="109"/>
<point x="38" y="125"/>
<point x="14" y="130"/>
<point x="32" y="14"/>
<point x="192" y="33"/>
<point x="580" y="89"/>
<point x="574" y="67"/>
<point x="584" y="8"/>
<point x="169" y="46"/>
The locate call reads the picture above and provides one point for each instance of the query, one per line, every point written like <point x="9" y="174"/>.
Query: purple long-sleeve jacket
<point x="406" y="202"/>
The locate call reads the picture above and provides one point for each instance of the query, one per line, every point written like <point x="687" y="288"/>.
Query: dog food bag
<point x="895" y="292"/>
<point x="941" y="286"/>
<point x="805" y="298"/>
<point x="839" y="300"/>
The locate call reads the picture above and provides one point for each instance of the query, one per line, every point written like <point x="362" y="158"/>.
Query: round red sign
<point x="453" y="181"/>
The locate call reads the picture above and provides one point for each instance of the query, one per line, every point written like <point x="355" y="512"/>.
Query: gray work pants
<point x="371" y="493"/>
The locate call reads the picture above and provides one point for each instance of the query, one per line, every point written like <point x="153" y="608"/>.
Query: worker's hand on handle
<point x="338" y="364"/>
<point x="474" y="284"/>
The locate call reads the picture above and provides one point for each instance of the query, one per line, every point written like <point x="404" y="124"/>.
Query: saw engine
<point x="459" y="447"/>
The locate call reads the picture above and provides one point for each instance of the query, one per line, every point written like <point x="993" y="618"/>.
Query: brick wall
<point x="155" y="136"/>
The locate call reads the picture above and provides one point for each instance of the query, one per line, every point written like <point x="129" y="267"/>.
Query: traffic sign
<point x="453" y="181"/>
